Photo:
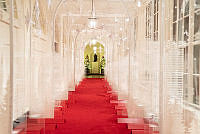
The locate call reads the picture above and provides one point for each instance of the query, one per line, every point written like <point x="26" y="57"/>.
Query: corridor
<point x="99" y="66"/>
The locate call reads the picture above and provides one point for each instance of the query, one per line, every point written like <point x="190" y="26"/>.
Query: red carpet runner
<point x="87" y="111"/>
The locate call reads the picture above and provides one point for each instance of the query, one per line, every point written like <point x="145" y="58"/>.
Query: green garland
<point x="102" y="63"/>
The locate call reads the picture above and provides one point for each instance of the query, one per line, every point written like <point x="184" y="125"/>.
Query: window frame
<point x="188" y="43"/>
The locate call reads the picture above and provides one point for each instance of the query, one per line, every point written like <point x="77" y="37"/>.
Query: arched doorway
<point x="94" y="58"/>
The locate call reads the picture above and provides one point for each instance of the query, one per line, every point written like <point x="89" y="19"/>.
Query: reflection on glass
<point x="180" y="8"/>
<point x="197" y="26"/>
<point x="187" y="7"/>
<point x="197" y="4"/>
<point x="175" y="11"/>
<point x="180" y="31"/>
<point x="186" y="29"/>
<point x="174" y="32"/>
<point x="196" y="63"/>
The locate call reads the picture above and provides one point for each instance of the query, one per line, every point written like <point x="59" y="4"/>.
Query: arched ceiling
<point x="107" y="11"/>
<point x="114" y="18"/>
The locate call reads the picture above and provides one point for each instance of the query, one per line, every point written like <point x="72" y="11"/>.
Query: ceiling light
<point x="94" y="48"/>
<point x="139" y="4"/>
<point x="94" y="42"/>
<point x="92" y="23"/>
<point x="49" y="3"/>
<point x="92" y="19"/>
<point x="116" y="20"/>
<point x="83" y="30"/>
<point x="127" y="19"/>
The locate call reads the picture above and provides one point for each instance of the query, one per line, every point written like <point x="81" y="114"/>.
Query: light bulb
<point x="95" y="49"/>
<point x="92" y="24"/>
<point x="116" y="20"/>
<point x="94" y="42"/>
<point x="127" y="19"/>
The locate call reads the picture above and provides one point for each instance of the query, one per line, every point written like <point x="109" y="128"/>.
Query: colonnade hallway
<point x="146" y="54"/>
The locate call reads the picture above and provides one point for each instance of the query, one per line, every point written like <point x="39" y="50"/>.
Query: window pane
<point x="196" y="59"/>
<point x="197" y="26"/>
<point x="187" y="7"/>
<point x="196" y="90"/>
<point x="186" y="29"/>
<point x="174" y="32"/>
<point x="155" y="6"/>
<point x="180" y="31"/>
<point x="157" y="22"/>
<point x="196" y="62"/>
<point x="180" y="8"/>
<point x="197" y="4"/>
<point x="175" y="11"/>
<point x="3" y="5"/>
<point x="186" y="59"/>
<point x="185" y="86"/>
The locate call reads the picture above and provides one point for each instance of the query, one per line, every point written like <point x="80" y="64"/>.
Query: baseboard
<point x="20" y="119"/>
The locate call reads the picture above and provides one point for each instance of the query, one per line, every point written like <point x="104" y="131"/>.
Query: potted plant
<point x="87" y="64"/>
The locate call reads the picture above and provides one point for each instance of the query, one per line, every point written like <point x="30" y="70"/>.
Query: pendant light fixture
<point x="92" y="20"/>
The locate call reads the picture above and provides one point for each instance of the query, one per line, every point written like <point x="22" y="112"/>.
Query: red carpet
<point x="91" y="111"/>
<point x="87" y="111"/>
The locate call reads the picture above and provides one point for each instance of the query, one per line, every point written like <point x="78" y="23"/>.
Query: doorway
<point x="94" y="58"/>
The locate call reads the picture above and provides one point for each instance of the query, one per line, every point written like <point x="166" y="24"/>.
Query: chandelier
<point x="92" y="19"/>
